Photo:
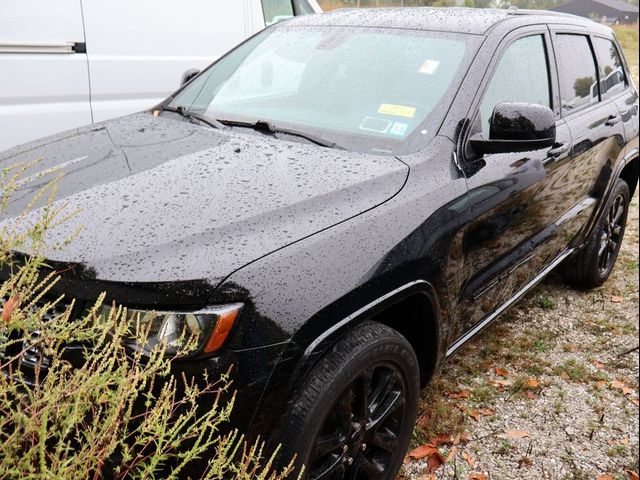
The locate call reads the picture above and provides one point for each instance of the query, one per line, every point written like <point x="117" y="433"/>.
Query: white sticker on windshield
<point x="399" y="129"/>
<point x="429" y="67"/>
<point x="372" y="124"/>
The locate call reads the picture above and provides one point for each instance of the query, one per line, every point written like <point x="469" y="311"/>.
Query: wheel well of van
<point x="630" y="174"/>
<point x="415" y="318"/>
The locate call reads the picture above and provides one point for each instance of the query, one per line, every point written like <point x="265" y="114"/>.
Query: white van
<point x="67" y="63"/>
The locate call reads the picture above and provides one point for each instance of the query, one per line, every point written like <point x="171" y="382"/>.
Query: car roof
<point x="477" y="21"/>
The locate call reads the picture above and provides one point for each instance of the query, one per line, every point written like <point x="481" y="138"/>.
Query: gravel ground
<point x="549" y="392"/>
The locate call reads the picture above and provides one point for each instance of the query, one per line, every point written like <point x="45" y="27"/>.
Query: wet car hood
<point x="166" y="200"/>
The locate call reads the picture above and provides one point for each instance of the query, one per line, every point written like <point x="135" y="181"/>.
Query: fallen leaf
<point x="462" y="437"/>
<point x="440" y="440"/>
<point x="427" y="477"/>
<point x="423" y="421"/>
<point x="477" y="476"/>
<point x="635" y="401"/>
<point x="515" y="434"/>
<point x="525" y="462"/>
<point x="469" y="459"/>
<point x="461" y="395"/>
<point x="501" y="372"/>
<point x="618" y="384"/>
<point x="452" y="454"/>
<point x="571" y="347"/>
<point x="632" y="475"/>
<point x="531" y="383"/>
<point x="435" y="461"/>
<point x="501" y="384"/>
<point x="481" y="412"/>
<point x="617" y="299"/>
<point x="9" y="306"/>
<point x="598" y="365"/>
<point x="423" y="451"/>
<point x="628" y="391"/>
<point x="605" y="476"/>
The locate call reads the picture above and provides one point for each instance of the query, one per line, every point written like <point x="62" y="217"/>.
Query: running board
<point x="489" y="319"/>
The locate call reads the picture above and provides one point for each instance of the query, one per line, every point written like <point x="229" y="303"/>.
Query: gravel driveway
<point x="549" y="392"/>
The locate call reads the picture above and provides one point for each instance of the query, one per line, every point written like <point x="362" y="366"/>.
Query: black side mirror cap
<point x="188" y="76"/>
<point x="517" y="127"/>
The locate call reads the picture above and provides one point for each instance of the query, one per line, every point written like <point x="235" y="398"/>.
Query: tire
<point x="592" y="265"/>
<point x="327" y="427"/>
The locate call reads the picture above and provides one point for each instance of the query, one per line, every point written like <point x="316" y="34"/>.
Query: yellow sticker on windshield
<point x="397" y="110"/>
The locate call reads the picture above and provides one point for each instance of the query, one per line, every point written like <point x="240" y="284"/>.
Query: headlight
<point x="206" y="330"/>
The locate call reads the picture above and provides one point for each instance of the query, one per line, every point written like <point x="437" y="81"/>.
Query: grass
<point x="546" y="302"/>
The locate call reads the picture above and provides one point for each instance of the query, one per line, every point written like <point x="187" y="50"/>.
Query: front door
<point x="516" y="197"/>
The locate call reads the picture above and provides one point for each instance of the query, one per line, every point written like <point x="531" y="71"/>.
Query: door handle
<point x="558" y="149"/>
<point x="612" y="120"/>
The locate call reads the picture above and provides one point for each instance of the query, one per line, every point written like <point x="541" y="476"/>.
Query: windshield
<point x="368" y="90"/>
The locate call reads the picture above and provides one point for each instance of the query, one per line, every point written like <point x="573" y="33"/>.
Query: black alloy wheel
<point x="591" y="266"/>
<point x="611" y="237"/>
<point x="353" y="416"/>
<point x="361" y="433"/>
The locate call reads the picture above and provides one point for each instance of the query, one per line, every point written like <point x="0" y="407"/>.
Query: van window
<point x="577" y="71"/>
<point x="522" y="76"/>
<point x="612" y="76"/>
<point x="277" y="10"/>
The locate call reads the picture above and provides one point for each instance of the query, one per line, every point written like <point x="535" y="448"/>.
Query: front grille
<point x="27" y="355"/>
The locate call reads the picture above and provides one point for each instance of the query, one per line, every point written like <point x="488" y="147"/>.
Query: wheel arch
<point x="412" y="310"/>
<point x="630" y="174"/>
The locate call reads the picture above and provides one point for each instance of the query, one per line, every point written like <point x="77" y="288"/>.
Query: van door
<point x="44" y="85"/>
<point x="139" y="50"/>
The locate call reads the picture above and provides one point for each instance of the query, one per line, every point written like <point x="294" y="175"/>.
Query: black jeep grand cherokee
<point x="346" y="199"/>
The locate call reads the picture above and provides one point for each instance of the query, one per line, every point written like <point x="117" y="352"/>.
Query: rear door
<point x="44" y="84"/>
<point x="595" y="124"/>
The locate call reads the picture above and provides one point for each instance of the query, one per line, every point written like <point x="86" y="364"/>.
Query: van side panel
<point x="44" y="85"/>
<point x="139" y="50"/>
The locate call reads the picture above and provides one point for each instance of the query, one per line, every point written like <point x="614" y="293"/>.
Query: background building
<point x="606" y="11"/>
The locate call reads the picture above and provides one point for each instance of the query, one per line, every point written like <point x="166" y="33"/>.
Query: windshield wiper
<point x="191" y="115"/>
<point x="267" y="127"/>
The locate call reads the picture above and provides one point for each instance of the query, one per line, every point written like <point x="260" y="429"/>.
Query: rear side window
<point x="577" y="71"/>
<point x="612" y="76"/>
<point x="522" y="76"/>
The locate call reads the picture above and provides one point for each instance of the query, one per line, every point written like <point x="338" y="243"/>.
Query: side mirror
<point x="188" y="76"/>
<point x="517" y="127"/>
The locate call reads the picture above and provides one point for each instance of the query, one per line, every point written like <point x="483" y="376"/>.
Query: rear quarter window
<point x="613" y="79"/>
<point x="577" y="72"/>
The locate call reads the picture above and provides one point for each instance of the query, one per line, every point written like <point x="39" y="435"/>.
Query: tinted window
<point x="522" y="76"/>
<point x="577" y="71"/>
<point x="612" y="77"/>
<point x="276" y="10"/>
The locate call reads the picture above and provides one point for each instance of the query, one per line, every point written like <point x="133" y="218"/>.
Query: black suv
<point x="345" y="200"/>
